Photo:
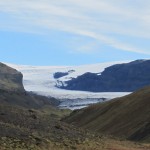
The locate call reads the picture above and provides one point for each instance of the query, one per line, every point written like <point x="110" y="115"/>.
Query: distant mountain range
<point x="125" y="77"/>
<point x="92" y="82"/>
<point x="104" y="77"/>
<point x="47" y="81"/>
<point x="52" y="80"/>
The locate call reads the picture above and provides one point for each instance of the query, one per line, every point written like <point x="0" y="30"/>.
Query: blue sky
<point x="73" y="32"/>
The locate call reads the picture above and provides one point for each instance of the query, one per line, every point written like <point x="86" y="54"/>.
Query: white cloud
<point x="97" y="19"/>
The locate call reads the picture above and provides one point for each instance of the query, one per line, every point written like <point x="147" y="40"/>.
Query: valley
<point x="33" y="121"/>
<point x="74" y="75"/>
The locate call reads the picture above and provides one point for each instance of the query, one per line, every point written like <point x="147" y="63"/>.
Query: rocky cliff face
<point x="126" y="77"/>
<point x="10" y="79"/>
<point x="12" y="91"/>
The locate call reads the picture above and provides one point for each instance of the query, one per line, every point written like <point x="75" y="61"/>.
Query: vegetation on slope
<point x="24" y="129"/>
<point x="127" y="117"/>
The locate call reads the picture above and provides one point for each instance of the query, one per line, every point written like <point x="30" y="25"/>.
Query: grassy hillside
<point x="126" y="117"/>
<point x="29" y="129"/>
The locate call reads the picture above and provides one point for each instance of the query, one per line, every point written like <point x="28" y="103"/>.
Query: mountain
<point x="29" y="121"/>
<point x="12" y="90"/>
<point x="126" y="77"/>
<point x="126" y="117"/>
<point x="10" y="79"/>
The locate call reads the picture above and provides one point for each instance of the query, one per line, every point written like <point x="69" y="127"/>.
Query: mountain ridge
<point x="126" y="77"/>
<point x="126" y="117"/>
<point x="10" y="79"/>
<point x="12" y="91"/>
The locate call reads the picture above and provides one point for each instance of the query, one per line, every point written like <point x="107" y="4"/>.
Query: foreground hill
<point x="29" y="129"/>
<point x="126" y="77"/>
<point x="127" y="117"/>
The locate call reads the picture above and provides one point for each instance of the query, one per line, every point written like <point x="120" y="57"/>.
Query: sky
<point x="73" y="32"/>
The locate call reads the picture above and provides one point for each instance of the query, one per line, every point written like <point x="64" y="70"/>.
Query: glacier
<point x="40" y="80"/>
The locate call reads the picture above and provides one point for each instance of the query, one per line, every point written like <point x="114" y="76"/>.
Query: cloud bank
<point x="115" y="23"/>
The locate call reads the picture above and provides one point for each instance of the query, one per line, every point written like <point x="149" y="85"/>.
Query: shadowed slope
<point x="126" y="77"/>
<point x="127" y="117"/>
<point x="12" y="91"/>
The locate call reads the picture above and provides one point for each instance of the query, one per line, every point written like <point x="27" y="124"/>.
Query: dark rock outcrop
<point x="58" y="75"/>
<point x="125" y="77"/>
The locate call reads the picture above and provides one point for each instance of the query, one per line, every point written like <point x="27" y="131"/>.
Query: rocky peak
<point x="10" y="79"/>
